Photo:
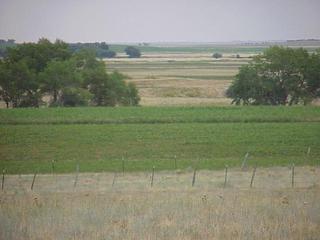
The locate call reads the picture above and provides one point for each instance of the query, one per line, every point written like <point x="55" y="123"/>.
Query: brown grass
<point x="172" y="209"/>
<point x="165" y="82"/>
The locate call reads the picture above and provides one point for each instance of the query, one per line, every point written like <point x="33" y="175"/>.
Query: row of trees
<point x="31" y="71"/>
<point x="279" y="76"/>
<point x="101" y="49"/>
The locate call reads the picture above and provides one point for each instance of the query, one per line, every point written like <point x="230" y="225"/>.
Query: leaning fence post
<point x="152" y="175"/>
<point x="2" y="183"/>
<point x="77" y="173"/>
<point x="244" y="162"/>
<point x="309" y="150"/>
<point x="253" y="175"/>
<point x="292" y="175"/>
<point x="225" y="176"/>
<point x="34" y="179"/>
<point x="194" y="177"/>
<point x="122" y="165"/>
<point x="114" y="179"/>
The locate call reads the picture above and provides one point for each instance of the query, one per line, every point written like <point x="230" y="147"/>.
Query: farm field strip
<point x="175" y="67"/>
<point x="25" y="148"/>
<point x="160" y="115"/>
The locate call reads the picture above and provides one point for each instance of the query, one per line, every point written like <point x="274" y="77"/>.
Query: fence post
<point x="194" y="177"/>
<point x="175" y="162"/>
<point x="309" y="150"/>
<point x="52" y="166"/>
<point x="2" y="183"/>
<point x="152" y="175"/>
<point x="253" y="175"/>
<point x="292" y="175"/>
<point x="34" y="179"/>
<point x="114" y="179"/>
<point x="77" y="173"/>
<point x="122" y="165"/>
<point x="225" y="176"/>
<point x="244" y="162"/>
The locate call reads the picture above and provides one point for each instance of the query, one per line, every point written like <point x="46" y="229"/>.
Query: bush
<point x="132" y="52"/>
<point x="217" y="55"/>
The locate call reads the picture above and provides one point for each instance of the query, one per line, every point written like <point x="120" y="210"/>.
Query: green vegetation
<point x="217" y="55"/>
<point x="132" y="52"/>
<point x="33" y="70"/>
<point x="206" y="138"/>
<point x="123" y="115"/>
<point x="101" y="49"/>
<point x="280" y="76"/>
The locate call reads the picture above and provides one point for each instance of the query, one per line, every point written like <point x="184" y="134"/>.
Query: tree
<point x="73" y="96"/>
<point x="18" y="84"/>
<point x="58" y="76"/>
<point x="37" y="55"/>
<point x="132" y="52"/>
<point x="280" y="76"/>
<point x="31" y="70"/>
<point x="217" y="55"/>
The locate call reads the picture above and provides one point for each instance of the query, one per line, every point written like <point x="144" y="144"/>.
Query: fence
<point x="232" y="178"/>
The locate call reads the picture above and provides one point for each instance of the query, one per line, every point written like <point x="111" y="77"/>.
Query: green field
<point x="201" y="137"/>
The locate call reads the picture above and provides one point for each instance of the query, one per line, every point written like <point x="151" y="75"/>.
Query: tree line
<point x="101" y="49"/>
<point x="279" y="76"/>
<point x="30" y="71"/>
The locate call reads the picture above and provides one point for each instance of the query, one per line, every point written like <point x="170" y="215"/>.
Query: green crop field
<point x="202" y="137"/>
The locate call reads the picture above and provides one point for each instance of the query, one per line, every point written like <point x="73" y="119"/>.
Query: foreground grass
<point x="100" y="115"/>
<point x="171" y="209"/>
<point x="26" y="148"/>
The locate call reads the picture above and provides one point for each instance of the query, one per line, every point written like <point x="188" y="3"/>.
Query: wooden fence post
<point x="292" y="175"/>
<point x="52" y="166"/>
<point x="34" y="179"/>
<point x="2" y="183"/>
<point x="175" y="162"/>
<point x="152" y="176"/>
<point x="122" y="165"/>
<point x="114" y="179"/>
<point x="253" y="175"/>
<point x="77" y="173"/>
<point x="225" y="176"/>
<point x="309" y="150"/>
<point x="194" y="177"/>
<point x="244" y="162"/>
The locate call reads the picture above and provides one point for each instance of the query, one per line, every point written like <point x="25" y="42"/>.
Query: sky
<point x="159" y="20"/>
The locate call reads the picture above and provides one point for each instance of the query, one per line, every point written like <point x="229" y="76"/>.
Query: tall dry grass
<point x="172" y="209"/>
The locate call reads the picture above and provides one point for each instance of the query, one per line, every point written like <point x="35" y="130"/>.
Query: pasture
<point x="108" y="206"/>
<point x="181" y="78"/>
<point x="197" y="137"/>
<point x="94" y="165"/>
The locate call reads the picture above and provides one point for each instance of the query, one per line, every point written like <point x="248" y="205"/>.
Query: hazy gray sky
<point x="159" y="20"/>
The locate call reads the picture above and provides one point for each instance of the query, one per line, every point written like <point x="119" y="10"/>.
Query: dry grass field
<point x="180" y="78"/>
<point x="108" y="206"/>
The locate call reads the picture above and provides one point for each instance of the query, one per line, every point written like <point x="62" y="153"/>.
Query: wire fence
<point x="231" y="178"/>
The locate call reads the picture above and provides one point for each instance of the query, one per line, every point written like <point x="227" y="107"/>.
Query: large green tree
<point x="31" y="70"/>
<point x="280" y="76"/>
<point x="57" y="77"/>
<point x="107" y="89"/>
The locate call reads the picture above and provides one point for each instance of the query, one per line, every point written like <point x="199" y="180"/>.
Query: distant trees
<point x="280" y="76"/>
<point x="4" y="44"/>
<point x="217" y="55"/>
<point x="101" y="50"/>
<point x="32" y="70"/>
<point x="132" y="52"/>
